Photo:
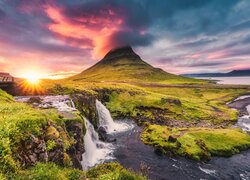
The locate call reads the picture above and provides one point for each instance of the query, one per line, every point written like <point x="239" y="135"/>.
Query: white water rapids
<point x="62" y="103"/>
<point x="244" y="121"/>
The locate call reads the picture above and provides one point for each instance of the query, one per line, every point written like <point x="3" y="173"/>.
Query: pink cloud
<point x="67" y="28"/>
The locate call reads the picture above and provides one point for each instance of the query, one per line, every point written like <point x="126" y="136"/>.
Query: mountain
<point x="124" y="65"/>
<point x="245" y="72"/>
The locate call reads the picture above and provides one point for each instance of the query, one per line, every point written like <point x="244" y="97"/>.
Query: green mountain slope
<point x="124" y="65"/>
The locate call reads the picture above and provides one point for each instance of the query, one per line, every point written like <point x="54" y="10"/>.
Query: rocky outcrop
<point x="86" y="104"/>
<point x="77" y="149"/>
<point x="121" y="52"/>
<point x="32" y="150"/>
<point x="54" y="145"/>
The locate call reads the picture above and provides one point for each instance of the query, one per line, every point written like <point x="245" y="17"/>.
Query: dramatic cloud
<point x="63" y="37"/>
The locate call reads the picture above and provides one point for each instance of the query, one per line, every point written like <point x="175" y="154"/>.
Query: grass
<point x="196" y="143"/>
<point x="112" y="171"/>
<point x="196" y="104"/>
<point x="18" y="121"/>
<point x="48" y="171"/>
<point x="206" y="103"/>
<point x="51" y="171"/>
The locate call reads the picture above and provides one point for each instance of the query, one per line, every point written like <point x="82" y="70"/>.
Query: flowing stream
<point x="132" y="153"/>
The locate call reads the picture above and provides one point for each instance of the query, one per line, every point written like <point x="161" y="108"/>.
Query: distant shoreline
<point x="238" y="80"/>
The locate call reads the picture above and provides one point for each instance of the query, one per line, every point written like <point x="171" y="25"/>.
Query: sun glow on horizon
<point x="31" y="82"/>
<point x="32" y="77"/>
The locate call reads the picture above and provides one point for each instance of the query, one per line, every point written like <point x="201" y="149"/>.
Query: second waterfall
<point x="97" y="151"/>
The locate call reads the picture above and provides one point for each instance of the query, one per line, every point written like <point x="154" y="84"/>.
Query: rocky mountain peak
<point x="121" y="52"/>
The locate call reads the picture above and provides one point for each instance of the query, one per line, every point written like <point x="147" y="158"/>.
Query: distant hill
<point x="245" y="72"/>
<point x="124" y="65"/>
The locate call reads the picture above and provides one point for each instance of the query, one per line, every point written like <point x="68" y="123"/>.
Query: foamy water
<point x="106" y="121"/>
<point x="96" y="152"/>
<point x="207" y="171"/>
<point x="62" y="103"/>
<point x="244" y="121"/>
<point x="242" y="97"/>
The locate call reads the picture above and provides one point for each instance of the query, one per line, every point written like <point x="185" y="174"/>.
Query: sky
<point x="61" y="38"/>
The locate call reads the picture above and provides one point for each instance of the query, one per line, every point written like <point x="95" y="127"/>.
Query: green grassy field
<point x="191" y="104"/>
<point x="196" y="143"/>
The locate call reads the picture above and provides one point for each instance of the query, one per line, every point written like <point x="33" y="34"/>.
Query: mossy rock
<point x="52" y="133"/>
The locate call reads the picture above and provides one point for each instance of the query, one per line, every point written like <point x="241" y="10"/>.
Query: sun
<point x="32" y="77"/>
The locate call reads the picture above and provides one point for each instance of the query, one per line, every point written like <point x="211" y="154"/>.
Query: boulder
<point x="171" y="101"/>
<point x="35" y="100"/>
<point x="172" y="139"/>
<point x="102" y="133"/>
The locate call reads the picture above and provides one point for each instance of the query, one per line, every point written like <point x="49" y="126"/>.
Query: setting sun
<point x="32" y="77"/>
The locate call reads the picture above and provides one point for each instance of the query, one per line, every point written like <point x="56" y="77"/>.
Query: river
<point x="132" y="153"/>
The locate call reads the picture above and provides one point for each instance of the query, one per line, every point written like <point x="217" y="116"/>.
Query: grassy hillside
<point x="20" y="122"/>
<point x="123" y="65"/>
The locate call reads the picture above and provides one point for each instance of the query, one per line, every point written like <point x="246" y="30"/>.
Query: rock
<point x="171" y="101"/>
<point x="56" y="155"/>
<point x="86" y="104"/>
<point x="102" y="133"/>
<point x="52" y="133"/>
<point x="201" y="144"/>
<point x="36" y="100"/>
<point x="158" y="152"/>
<point x="172" y="139"/>
<point x="76" y="150"/>
<point x="32" y="150"/>
<point x="111" y="140"/>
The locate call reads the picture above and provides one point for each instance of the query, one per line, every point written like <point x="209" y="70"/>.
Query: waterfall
<point x="95" y="151"/>
<point x="106" y="120"/>
<point x="72" y="104"/>
<point x="248" y="109"/>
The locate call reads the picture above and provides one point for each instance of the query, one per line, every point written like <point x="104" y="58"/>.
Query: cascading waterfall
<point x="106" y="121"/>
<point x="95" y="151"/>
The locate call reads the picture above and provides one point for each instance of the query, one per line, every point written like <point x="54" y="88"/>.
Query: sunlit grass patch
<point x="196" y="143"/>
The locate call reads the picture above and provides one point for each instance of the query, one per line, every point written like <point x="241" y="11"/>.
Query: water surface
<point x="131" y="153"/>
<point x="242" y="80"/>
